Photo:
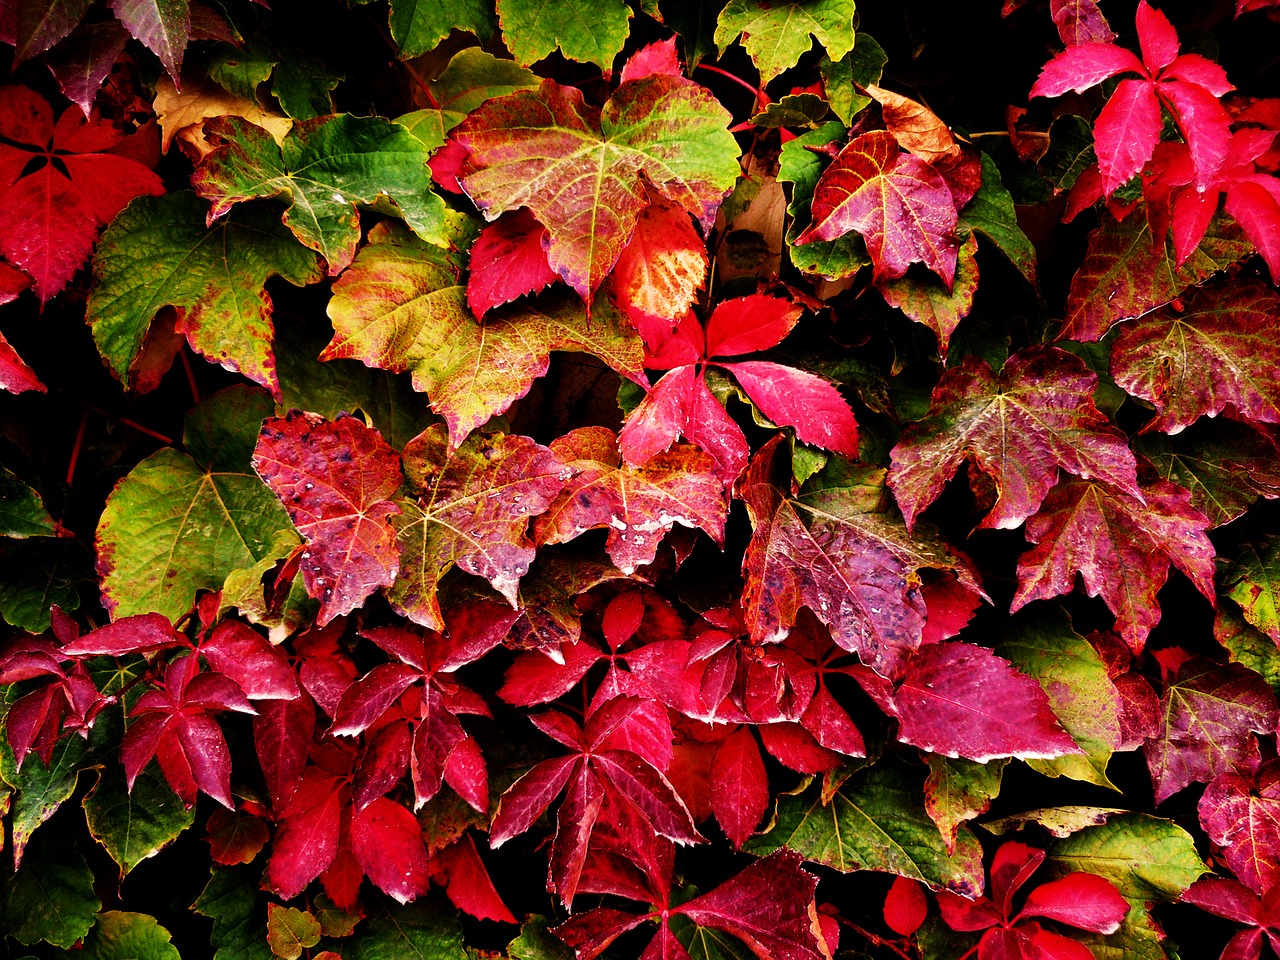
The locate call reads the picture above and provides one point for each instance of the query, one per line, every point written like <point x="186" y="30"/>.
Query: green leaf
<point x="22" y="512"/>
<point x="875" y="821"/>
<point x="40" y="790"/>
<point x="1070" y="151"/>
<point x="804" y="110"/>
<point x="924" y="298"/>
<point x="244" y="591"/>
<point x="801" y="167"/>
<point x="400" y="307"/>
<point x="51" y="895"/>
<point x="301" y="83"/>
<point x="1057" y="821"/>
<point x="134" y="825"/>
<point x="863" y="65"/>
<point x="589" y="31"/>
<point x="420" y="931"/>
<point x="777" y="34"/>
<point x="322" y="170"/>
<point x="418" y="25"/>
<point x="705" y="943"/>
<point x="37" y="573"/>
<point x="957" y="790"/>
<point x="1247" y="645"/>
<point x="158" y="252"/>
<point x="472" y="77"/>
<point x="239" y="921"/>
<point x="1252" y="579"/>
<point x="1042" y="644"/>
<point x="536" y="942"/>
<point x="695" y="21"/>
<point x="241" y="71"/>
<point x="128" y="936"/>
<point x="291" y="931"/>
<point x="182" y="522"/>
<point x="991" y="214"/>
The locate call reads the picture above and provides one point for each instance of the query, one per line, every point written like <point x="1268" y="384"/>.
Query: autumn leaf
<point x="776" y="35"/>
<point x="579" y="172"/>
<point x="1250" y="579"/>
<point x="662" y="267"/>
<point x="163" y="27"/>
<point x="182" y="114"/>
<point x="507" y="261"/>
<point x="53" y="213"/>
<point x="471" y="78"/>
<point x="926" y="300"/>
<point x="1041" y="401"/>
<point x="1241" y="814"/>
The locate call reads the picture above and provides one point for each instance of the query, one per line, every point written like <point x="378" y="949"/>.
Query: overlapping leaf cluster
<point x="530" y="497"/>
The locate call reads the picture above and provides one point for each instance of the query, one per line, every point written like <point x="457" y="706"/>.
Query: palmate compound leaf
<point x="875" y="820"/>
<point x="324" y="167"/>
<point x="336" y="479"/>
<point x="638" y="505"/>
<point x="1216" y="353"/>
<point x="183" y="522"/>
<point x="836" y="549"/>
<point x="898" y="203"/>
<point x="158" y="252"/>
<point x="776" y="35"/>
<point x="1020" y="427"/>
<point x="400" y="307"/>
<point x="472" y="510"/>
<point x="1209" y="715"/>
<point x="1125" y="273"/>
<point x="583" y="173"/>
<point x="1121" y="546"/>
<point x="590" y="31"/>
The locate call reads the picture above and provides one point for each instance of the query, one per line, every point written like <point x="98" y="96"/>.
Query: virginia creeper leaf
<point x="1252" y="579"/>
<point x="134" y="825"/>
<point x="925" y="299"/>
<point x="663" y="266"/>
<point x="1242" y="816"/>
<point x="230" y="900"/>
<point x="776" y="35"/>
<point x="474" y="505"/>
<point x="22" y="510"/>
<point x="583" y="174"/>
<point x="420" y="930"/>
<point x="163" y="26"/>
<point x="183" y="522"/>
<point x="323" y="168"/>
<point x="159" y="253"/>
<point x="336" y="479"/>
<point x="507" y="261"/>
<point x="591" y="32"/>
<point x="1216" y="354"/>
<point x="290" y="931"/>
<point x="991" y="213"/>
<point x="1041" y="401"/>
<point x="1120" y="546"/>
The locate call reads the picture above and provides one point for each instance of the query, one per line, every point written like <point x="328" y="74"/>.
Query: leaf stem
<point x="75" y="448"/>
<point x="878" y="941"/>
<point x="761" y="97"/>
<point x="191" y="375"/>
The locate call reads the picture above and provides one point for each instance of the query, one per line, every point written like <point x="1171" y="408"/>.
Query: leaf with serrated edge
<point x="1121" y="547"/>
<point x="472" y="77"/>
<point x="323" y="168"/>
<point x="875" y="821"/>
<point x="802" y="168"/>
<point x="158" y="252"/>
<point x="583" y="174"/>
<point x="231" y="900"/>
<point x="1125" y="274"/>
<point x="163" y="26"/>
<point x="419" y="25"/>
<point x="1020" y="427"/>
<point x="925" y="300"/>
<point x="472" y="511"/>
<point x="958" y="790"/>
<point x="1242" y="816"/>
<point x="122" y="935"/>
<point x="1217" y="353"/>
<point x="336" y="479"/>
<point x="663" y="266"/>
<point x="182" y="522"/>
<point x="590" y="31"/>
<point x="136" y="824"/>
<point x="1252" y="579"/>
<point x="776" y="35"/>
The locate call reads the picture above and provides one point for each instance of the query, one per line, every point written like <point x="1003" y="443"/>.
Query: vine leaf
<point x="472" y="510"/>
<point x="508" y="260"/>
<point x="336" y="479"/>
<point x="583" y="173"/>
<point x="777" y="35"/>
<point x="1252" y="579"/>
<point x="417" y="26"/>
<point x="1216" y="354"/>
<point x="52" y="215"/>
<point x="1019" y="427"/>
<point x="1241" y="814"/>
<point x="637" y="505"/>
<point x="163" y="27"/>
<point x="662" y="267"/>
<point x="590" y="31"/>
<point x="1121" y="546"/>
<point x="1232" y="900"/>
<point x="472" y="77"/>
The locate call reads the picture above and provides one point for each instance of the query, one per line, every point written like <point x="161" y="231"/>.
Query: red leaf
<point x="236" y="650"/>
<point x="1126" y="132"/>
<point x="659" y="58"/>
<point x="741" y="793"/>
<point x="1080" y="899"/>
<point x="662" y="267"/>
<point x="235" y="837"/>
<point x="751" y="323"/>
<point x="794" y="398"/>
<point x="467" y="882"/>
<point x="366" y="700"/>
<point x="528" y="797"/>
<point x="1156" y="36"/>
<point x="1080" y="67"/>
<point x="1242" y="816"/>
<point x="387" y="842"/>
<point x="306" y="838"/>
<point x="15" y="375"/>
<point x="282" y="733"/>
<point x="905" y="906"/>
<point x="335" y="478"/>
<point x="898" y="203"/>
<point x="144" y="633"/>
<point x="508" y="260"/>
<point x="962" y="700"/>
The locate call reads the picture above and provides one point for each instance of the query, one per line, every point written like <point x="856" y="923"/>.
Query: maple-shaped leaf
<point x="52" y="214"/>
<point x="1120" y="545"/>
<point x="768" y="908"/>
<point x="947" y="703"/>
<point x="776" y="35"/>
<point x="1081" y="900"/>
<point x="1210" y="713"/>
<point x="1252" y="579"/>
<point x="159" y="253"/>
<point x="173" y="723"/>
<point x="1232" y="900"/>
<point x="1129" y="126"/>
<point x="471" y="77"/>
<point x="336" y="479"/>
<point x="1126" y="273"/>
<point x="163" y="27"/>
<point x="897" y="202"/>
<point x="583" y="173"/>
<point x="837" y="550"/>
<point x="400" y="307"/>
<point x="180" y="522"/>
<point x="638" y="505"/>
<point x="323" y="168"/>
<point x="1225" y="465"/>
<point x="472" y="510"/>
<point x="1242" y="816"/>
<point x="662" y="267"/>
<point x="1020" y="427"/>
<point x="1214" y="355"/>
<point x="590" y="32"/>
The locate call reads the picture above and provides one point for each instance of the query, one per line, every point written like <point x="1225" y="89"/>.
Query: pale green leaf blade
<point x="472" y="77"/>
<point x="777" y="34"/>
<point x="135" y="825"/>
<point x="589" y="31"/>
<point x="119" y="935"/>
<point x="1252" y="579"/>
